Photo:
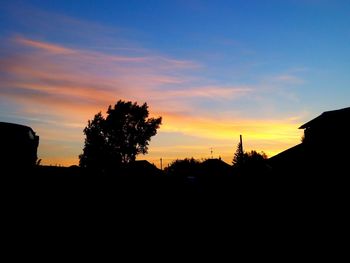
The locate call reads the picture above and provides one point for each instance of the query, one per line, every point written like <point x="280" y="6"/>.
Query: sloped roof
<point x="143" y="164"/>
<point x="329" y="118"/>
<point x="294" y="152"/>
<point x="13" y="126"/>
<point x="216" y="163"/>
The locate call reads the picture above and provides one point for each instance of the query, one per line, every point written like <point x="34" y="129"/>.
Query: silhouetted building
<point x="288" y="158"/>
<point x="142" y="168"/>
<point x="324" y="148"/>
<point x="330" y="128"/>
<point x="19" y="145"/>
<point x="215" y="167"/>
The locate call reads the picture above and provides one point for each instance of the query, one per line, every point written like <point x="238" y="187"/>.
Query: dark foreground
<point x="65" y="202"/>
<point x="72" y="186"/>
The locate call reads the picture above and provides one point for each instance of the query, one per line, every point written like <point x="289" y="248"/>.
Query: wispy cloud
<point x="60" y="85"/>
<point x="212" y="92"/>
<point x="71" y="84"/>
<point x="288" y="79"/>
<point x="52" y="74"/>
<point x="83" y="74"/>
<point x="51" y="48"/>
<point x="177" y="98"/>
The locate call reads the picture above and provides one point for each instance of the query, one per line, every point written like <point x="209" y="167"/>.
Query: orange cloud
<point x="60" y="88"/>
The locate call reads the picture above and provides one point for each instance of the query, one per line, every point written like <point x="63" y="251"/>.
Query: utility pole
<point x="161" y="164"/>
<point x="211" y="152"/>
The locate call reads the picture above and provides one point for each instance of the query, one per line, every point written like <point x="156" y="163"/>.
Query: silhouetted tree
<point x="183" y="168"/>
<point x="95" y="153"/>
<point x="249" y="163"/>
<point x="238" y="157"/>
<point x="253" y="158"/>
<point x="242" y="158"/>
<point x="118" y="138"/>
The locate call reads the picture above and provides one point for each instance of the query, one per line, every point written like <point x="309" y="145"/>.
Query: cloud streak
<point x="50" y="48"/>
<point x="54" y="69"/>
<point x="48" y="70"/>
<point x="71" y="84"/>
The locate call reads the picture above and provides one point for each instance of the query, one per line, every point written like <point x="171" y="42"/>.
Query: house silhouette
<point x="19" y="144"/>
<point x="324" y="149"/>
<point x="216" y="167"/>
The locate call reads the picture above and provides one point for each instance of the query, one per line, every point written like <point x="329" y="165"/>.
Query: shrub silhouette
<point x="117" y="139"/>
<point x="183" y="168"/>
<point x="253" y="158"/>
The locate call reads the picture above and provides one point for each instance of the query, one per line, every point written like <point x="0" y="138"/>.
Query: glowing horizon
<point x="208" y="85"/>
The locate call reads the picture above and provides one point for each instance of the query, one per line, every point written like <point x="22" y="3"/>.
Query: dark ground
<point x="67" y="206"/>
<point x="71" y="184"/>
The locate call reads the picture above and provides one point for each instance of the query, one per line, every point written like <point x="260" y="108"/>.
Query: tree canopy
<point x="118" y="138"/>
<point x="183" y="168"/>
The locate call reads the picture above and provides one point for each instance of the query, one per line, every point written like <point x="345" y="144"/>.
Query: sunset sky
<point x="212" y="69"/>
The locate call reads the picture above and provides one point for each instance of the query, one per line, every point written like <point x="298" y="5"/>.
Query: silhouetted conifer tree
<point x="249" y="163"/>
<point x="238" y="158"/>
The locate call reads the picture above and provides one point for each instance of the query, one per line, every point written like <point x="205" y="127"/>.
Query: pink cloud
<point x="51" y="48"/>
<point x="74" y="72"/>
<point x="288" y="79"/>
<point x="67" y="86"/>
<point x="59" y="86"/>
<point x="213" y="92"/>
<point x="99" y="57"/>
<point x="76" y="82"/>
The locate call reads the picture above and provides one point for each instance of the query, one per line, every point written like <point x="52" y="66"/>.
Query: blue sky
<point x="212" y="69"/>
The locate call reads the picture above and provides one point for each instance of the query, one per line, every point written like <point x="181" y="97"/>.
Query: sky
<point x="212" y="69"/>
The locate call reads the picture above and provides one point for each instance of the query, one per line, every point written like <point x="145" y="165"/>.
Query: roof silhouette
<point x="9" y="125"/>
<point x="216" y="163"/>
<point x="329" y="118"/>
<point x="324" y="148"/>
<point x="295" y="153"/>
